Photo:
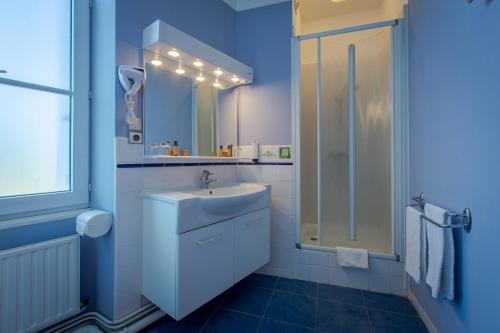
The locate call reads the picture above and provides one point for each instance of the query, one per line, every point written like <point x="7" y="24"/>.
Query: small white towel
<point x="349" y="257"/>
<point x="413" y="241"/>
<point x="441" y="254"/>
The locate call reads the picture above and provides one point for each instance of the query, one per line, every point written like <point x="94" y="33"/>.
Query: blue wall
<point x="211" y="21"/>
<point x="454" y="142"/>
<point x="101" y="250"/>
<point x="263" y="41"/>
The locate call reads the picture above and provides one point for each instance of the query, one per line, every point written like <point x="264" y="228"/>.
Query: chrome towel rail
<point x="466" y="216"/>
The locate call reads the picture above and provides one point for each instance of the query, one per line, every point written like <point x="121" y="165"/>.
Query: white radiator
<point x="39" y="284"/>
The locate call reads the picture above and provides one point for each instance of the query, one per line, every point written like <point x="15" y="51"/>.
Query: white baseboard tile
<point x="274" y="271"/>
<point x="421" y="312"/>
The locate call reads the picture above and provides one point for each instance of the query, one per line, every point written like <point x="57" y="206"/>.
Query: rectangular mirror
<point x="195" y="114"/>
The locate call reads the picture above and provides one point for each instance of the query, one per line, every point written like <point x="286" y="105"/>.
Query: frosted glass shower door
<point x="355" y="140"/>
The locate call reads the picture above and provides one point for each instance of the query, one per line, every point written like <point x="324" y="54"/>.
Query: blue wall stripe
<point x="167" y="165"/>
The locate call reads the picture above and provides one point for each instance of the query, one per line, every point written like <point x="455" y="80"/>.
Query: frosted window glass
<point x="36" y="141"/>
<point x="36" y="41"/>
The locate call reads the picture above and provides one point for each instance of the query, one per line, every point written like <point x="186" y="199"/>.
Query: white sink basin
<point x="195" y="208"/>
<point x="231" y="199"/>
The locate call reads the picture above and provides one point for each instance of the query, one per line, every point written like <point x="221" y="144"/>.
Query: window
<point x="44" y="106"/>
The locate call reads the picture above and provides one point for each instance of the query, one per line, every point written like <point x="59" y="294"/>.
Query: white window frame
<point x="78" y="195"/>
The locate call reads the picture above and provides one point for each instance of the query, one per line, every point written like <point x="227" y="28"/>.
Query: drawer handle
<point x="216" y="237"/>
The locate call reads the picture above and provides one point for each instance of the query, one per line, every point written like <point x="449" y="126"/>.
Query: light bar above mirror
<point x="188" y="56"/>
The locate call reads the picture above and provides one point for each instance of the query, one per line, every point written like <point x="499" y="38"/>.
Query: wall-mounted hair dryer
<point x="131" y="79"/>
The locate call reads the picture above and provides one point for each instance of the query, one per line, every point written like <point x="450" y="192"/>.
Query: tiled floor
<point x="262" y="303"/>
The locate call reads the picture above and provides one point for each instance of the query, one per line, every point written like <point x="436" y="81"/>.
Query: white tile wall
<point x="286" y="260"/>
<point x="130" y="182"/>
<point x="383" y="276"/>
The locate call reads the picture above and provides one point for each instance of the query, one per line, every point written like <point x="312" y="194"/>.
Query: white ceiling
<point x="240" y="5"/>
<point x="317" y="9"/>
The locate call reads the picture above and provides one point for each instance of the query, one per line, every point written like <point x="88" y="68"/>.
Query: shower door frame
<point x="399" y="131"/>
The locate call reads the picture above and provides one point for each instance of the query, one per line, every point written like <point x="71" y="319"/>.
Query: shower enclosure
<point x="349" y="138"/>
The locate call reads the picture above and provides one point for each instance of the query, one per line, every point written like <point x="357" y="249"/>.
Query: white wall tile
<point x="379" y="283"/>
<point x="129" y="180"/>
<point x="128" y="205"/>
<point x="319" y="258"/>
<point x="280" y="257"/>
<point x="397" y="286"/>
<point x="128" y="153"/>
<point x="334" y="261"/>
<point x="358" y="278"/>
<point x="284" y="173"/>
<point x="266" y="173"/>
<point x="319" y="274"/>
<point x="338" y="277"/>
<point x="302" y="272"/>
<point x="398" y="269"/>
<point x="380" y="267"/>
<point x="282" y="189"/>
<point x="281" y="272"/>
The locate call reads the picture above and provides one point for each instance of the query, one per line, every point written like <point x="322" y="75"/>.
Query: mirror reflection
<point x="186" y="117"/>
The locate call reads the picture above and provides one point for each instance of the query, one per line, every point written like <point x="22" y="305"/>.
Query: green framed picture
<point x="285" y="153"/>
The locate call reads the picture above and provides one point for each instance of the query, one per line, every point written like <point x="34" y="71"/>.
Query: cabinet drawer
<point x="205" y="265"/>
<point x="252" y="243"/>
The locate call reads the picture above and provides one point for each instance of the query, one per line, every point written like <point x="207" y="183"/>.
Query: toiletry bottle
<point x="221" y="151"/>
<point x="165" y="146"/>
<point x="154" y="149"/>
<point x="229" y="150"/>
<point x="255" y="151"/>
<point x="175" y="149"/>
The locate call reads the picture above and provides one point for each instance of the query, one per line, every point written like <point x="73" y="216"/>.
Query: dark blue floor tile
<point x="215" y="302"/>
<point x="260" y="280"/>
<point x="387" y="322"/>
<point x="292" y="308"/>
<point x="297" y="287"/>
<point x="340" y="294"/>
<point x="225" y="321"/>
<point x="273" y="326"/>
<point x="192" y="323"/>
<point x="389" y="303"/>
<point x="248" y="299"/>
<point x="340" y="317"/>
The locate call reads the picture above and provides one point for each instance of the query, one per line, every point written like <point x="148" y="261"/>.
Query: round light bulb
<point x="180" y="70"/>
<point x="235" y="78"/>
<point x="218" y="72"/>
<point x="200" y="78"/>
<point x="198" y="63"/>
<point x="174" y="53"/>
<point x="217" y="84"/>
<point x="156" y="62"/>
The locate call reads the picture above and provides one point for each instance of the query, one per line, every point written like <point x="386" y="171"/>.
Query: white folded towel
<point x="349" y="257"/>
<point x="441" y="254"/>
<point x="413" y="241"/>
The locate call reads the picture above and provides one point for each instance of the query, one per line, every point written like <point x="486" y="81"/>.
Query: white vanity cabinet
<point x="182" y="270"/>
<point x="205" y="266"/>
<point x="252" y="243"/>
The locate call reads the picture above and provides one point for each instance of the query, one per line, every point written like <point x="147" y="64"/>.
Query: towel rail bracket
<point x="466" y="216"/>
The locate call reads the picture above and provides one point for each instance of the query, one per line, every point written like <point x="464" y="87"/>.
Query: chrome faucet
<point x="206" y="179"/>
